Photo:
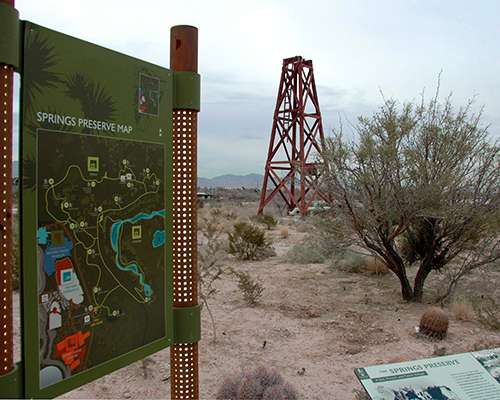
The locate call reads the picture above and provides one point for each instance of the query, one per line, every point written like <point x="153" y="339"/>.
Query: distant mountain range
<point x="225" y="181"/>
<point x="232" y="181"/>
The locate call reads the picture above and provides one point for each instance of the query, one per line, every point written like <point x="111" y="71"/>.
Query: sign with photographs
<point x="467" y="376"/>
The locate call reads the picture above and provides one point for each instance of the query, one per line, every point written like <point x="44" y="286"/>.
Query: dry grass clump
<point x="374" y="266"/>
<point x="462" y="309"/>
<point x="304" y="227"/>
<point x="284" y="231"/>
<point x="356" y="263"/>
<point x="400" y="358"/>
<point x="360" y="394"/>
<point x="483" y="344"/>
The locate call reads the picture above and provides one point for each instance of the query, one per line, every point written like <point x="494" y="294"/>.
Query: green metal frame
<point x="187" y="324"/>
<point x="186" y="91"/>
<point x="9" y="36"/>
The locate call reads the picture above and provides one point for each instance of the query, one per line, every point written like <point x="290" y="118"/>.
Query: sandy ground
<point x="310" y="317"/>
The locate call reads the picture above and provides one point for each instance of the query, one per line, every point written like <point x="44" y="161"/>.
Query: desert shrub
<point x="267" y="220"/>
<point x="488" y="313"/>
<point x="304" y="254"/>
<point x="259" y="384"/>
<point x="210" y="256"/>
<point x="250" y="287"/>
<point x="248" y="242"/>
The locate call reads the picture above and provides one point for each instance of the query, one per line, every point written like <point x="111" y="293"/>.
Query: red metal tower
<point x="297" y="135"/>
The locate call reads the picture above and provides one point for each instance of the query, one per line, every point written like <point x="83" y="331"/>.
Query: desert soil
<point x="311" y="317"/>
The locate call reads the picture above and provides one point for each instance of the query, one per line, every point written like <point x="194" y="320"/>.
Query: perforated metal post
<point x="184" y="357"/>
<point x="6" y="104"/>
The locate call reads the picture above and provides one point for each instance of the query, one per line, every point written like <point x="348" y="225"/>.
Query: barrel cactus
<point x="434" y="323"/>
<point x="259" y="384"/>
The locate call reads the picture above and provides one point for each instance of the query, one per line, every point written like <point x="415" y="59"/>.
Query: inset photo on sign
<point x="149" y="95"/>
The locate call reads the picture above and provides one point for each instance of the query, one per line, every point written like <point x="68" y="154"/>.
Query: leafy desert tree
<point x="418" y="185"/>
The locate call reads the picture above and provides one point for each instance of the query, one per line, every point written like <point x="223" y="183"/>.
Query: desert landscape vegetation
<point x="314" y="318"/>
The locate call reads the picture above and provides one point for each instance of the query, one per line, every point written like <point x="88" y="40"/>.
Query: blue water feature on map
<point x="115" y="234"/>
<point x="42" y="235"/>
<point x="159" y="239"/>
<point x="54" y="253"/>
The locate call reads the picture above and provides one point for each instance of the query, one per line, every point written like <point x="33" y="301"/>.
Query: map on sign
<point x="101" y="253"/>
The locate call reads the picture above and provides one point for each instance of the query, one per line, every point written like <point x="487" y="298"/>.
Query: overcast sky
<point x="358" y="48"/>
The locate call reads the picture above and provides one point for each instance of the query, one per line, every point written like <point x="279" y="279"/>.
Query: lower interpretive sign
<point x="467" y="376"/>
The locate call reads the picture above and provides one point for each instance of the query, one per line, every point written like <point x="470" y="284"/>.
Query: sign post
<point x="184" y="353"/>
<point x="8" y="62"/>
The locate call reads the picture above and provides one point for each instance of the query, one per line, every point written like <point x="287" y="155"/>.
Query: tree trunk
<point x="396" y="265"/>
<point x="422" y="274"/>
<point x="406" y="290"/>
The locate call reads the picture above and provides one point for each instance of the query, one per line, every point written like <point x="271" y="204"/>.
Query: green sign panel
<point x="96" y="203"/>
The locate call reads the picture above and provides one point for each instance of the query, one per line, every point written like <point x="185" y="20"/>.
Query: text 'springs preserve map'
<point x="101" y="253"/>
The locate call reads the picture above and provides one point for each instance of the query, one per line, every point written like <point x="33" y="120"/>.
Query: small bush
<point x="247" y="242"/>
<point x="304" y="254"/>
<point x="265" y="219"/>
<point x="250" y="287"/>
<point x="259" y="384"/>
<point x="488" y="313"/>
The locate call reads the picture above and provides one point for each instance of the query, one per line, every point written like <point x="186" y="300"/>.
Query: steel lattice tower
<point x="297" y="135"/>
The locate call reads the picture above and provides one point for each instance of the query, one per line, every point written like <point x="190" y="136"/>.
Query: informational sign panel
<point x="467" y="376"/>
<point x="96" y="210"/>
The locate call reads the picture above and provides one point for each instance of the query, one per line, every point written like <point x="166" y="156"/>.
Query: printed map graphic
<point x="101" y="253"/>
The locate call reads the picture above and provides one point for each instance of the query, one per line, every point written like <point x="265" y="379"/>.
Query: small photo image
<point x="149" y="95"/>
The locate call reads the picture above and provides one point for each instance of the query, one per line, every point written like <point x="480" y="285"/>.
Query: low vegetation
<point x="259" y="384"/>
<point x="247" y="242"/>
